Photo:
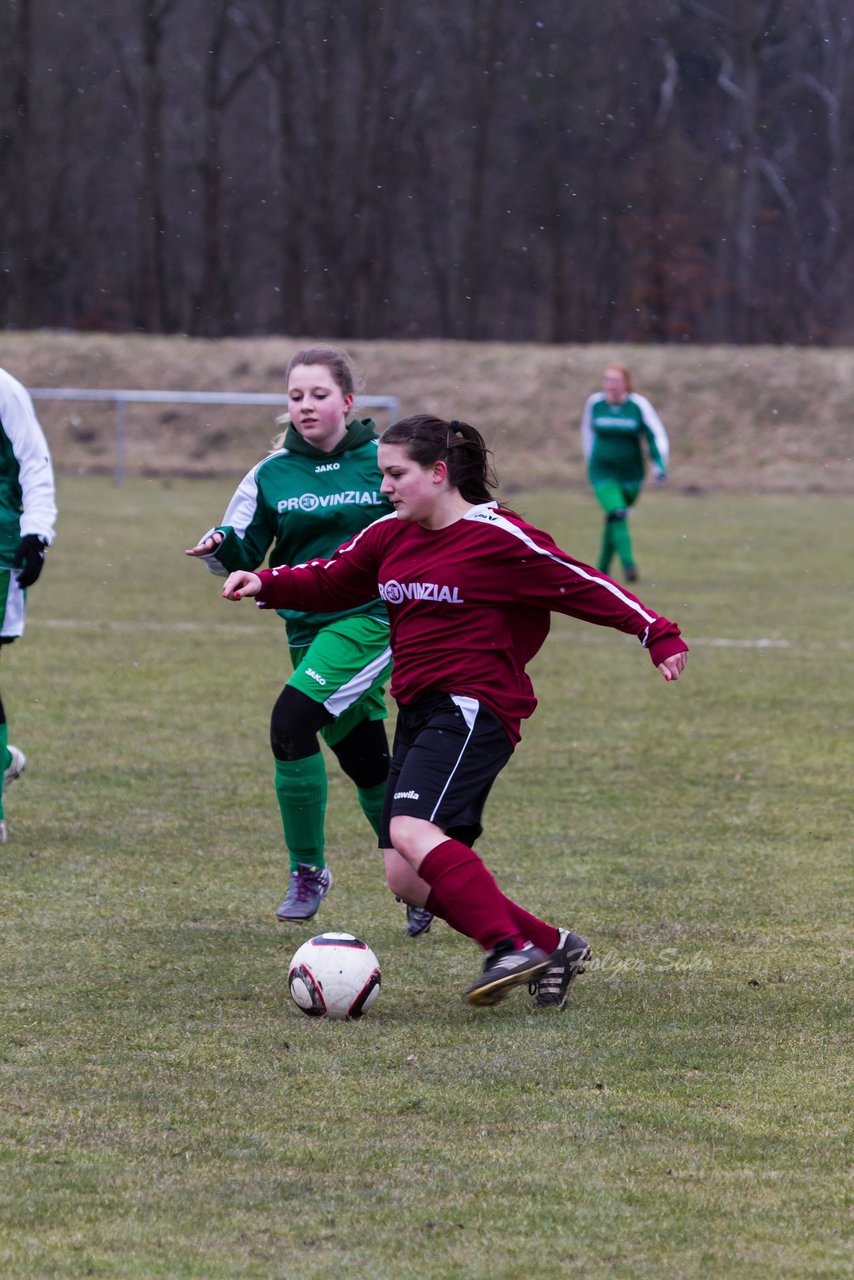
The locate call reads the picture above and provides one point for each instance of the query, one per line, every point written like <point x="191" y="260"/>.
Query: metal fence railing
<point x="122" y="399"/>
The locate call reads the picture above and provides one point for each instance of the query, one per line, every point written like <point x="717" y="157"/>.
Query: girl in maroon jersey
<point x="469" y="588"/>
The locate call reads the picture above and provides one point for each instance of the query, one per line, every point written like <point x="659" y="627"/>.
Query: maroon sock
<point x="545" y="936"/>
<point x="465" y="894"/>
<point x="532" y="928"/>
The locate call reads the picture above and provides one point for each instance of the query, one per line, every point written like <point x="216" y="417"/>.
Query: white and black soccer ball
<point x="334" y="975"/>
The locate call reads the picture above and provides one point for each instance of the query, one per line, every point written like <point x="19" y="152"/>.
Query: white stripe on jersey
<point x="488" y="513"/>
<point x="244" y="502"/>
<point x="392" y="515"/>
<point x="348" y="546"/>
<point x="656" y="426"/>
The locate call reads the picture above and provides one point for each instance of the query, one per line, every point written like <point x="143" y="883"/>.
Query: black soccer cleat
<point x="566" y="962"/>
<point x="504" y="969"/>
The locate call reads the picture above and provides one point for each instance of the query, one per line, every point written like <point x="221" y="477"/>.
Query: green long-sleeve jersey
<point x="611" y="437"/>
<point x="305" y="504"/>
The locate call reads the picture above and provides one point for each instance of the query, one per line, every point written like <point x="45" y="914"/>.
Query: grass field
<point x="169" y="1113"/>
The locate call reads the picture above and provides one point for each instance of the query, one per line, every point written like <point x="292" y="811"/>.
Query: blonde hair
<point x="339" y="365"/>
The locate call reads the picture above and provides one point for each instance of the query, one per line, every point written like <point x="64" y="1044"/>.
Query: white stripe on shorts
<point x="12" y="623"/>
<point x="342" y="699"/>
<point x="469" y="707"/>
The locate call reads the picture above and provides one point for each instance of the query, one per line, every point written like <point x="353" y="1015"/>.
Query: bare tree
<point x="220" y="87"/>
<point x="645" y="170"/>
<point x="22" y="255"/>
<point x="152" y="306"/>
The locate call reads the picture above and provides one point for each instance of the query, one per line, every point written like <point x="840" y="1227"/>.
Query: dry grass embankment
<point x="751" y="419"/>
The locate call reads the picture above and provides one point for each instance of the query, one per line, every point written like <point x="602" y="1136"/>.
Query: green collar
<point x="359" y="432"/>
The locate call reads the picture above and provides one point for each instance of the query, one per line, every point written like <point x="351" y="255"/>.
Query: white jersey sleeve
<point x="657" y="431"/>
<point x="30" y="448"/>
<point x="587" y="427"/>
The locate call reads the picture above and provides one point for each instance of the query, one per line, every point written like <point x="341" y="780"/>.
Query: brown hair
<point x="427" y="440"/>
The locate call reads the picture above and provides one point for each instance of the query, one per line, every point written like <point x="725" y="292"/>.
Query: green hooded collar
<point x="359" y="432"/>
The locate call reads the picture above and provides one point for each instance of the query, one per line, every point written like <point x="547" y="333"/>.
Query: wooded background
<point x="538" y="170"/>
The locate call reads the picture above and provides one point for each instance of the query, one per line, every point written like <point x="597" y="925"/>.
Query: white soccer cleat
<point x="15" y="768"/>
<point x="4" y="834"/>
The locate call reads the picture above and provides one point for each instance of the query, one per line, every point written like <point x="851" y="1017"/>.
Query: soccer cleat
<point x="566" y="962"/>
<point x="307" y="888"/>
<point x="418" y="920"/>
<point x="4" y="834"/>
<point x="505" y="968"/>
<point x="632" y="574"/>
<point x="16" y="765"/>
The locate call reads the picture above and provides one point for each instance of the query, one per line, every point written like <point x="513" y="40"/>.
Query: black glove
<point x="29" y="558"/>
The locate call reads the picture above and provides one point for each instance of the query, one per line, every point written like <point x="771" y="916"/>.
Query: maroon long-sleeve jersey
<point x="469" y="604"/>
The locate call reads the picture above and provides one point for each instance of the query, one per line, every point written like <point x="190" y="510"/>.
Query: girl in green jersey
<point x="615" y="422"/>
<point x="314" y="492"/>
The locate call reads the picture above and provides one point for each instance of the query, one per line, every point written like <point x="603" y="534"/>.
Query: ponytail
<point x="459" y="445"/>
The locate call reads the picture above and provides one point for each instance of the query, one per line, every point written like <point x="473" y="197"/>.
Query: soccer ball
<point x="334" y="976"/>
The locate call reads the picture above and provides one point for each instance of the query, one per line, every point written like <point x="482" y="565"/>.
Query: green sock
<point x="623" y="542"/>
<point x="607" y="551"/>
<point x="301" y="791"/>
<point x="371" y="800"/>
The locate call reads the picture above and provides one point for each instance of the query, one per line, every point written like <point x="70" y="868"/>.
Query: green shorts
<point x="13" y="601"/>
<point x="616" y="495"/>
<point x="345" y="669"/>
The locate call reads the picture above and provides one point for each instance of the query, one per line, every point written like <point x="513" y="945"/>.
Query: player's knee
<point x="363" y="754"/>
<point x="294" y="723"/>
<point x="411" y="837"/>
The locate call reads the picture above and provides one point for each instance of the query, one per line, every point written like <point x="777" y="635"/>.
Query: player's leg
<point x="621" y="532"/>
<point x="609" y="497"/>
<point x="353" y="659"/>
<point x="301" y="787"/>
<point x="615" y="500"/>
<point x="5" y="760"/>
<point x="448" y="752"/>
<point x="12" y="611"/>
<point x="344" y="664"/>
<point x="363" y="755"/>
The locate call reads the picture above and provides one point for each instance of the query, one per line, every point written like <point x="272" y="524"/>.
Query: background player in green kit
<point x="316" y="491"/>
<point x="615" y="421"/>
<point x="27" y="518"/>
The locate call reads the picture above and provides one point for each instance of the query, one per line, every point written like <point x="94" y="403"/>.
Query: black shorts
<point x="448" y="750"/>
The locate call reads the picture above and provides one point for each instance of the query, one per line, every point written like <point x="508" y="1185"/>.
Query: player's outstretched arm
<point x="241" y="583"/>
<point x="207" y="546"/>
<point x="672" y="668"/>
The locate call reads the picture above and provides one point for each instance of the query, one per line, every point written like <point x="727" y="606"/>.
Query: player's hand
<point x="206" y="546"/>
<point x="672" y="668"/>
<point x="29" y="559"/>
<point x="241" y="583"/>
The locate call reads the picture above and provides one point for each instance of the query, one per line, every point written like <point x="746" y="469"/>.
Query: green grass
<point x="168" y="1111"/>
